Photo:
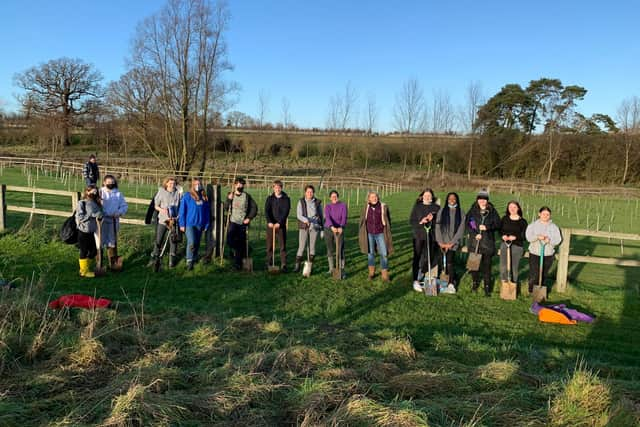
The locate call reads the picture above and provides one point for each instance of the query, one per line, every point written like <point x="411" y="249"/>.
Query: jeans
<point x="377" y="240"/>
<point x="193" y="242"/>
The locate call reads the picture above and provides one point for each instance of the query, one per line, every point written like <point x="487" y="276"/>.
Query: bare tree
<point x="442" y="112"/>
<point x="410" y="112"/>
<point x="629" y="123"/>
<point x="134" y="95"/>
<point x="340" y="114"/>
<point x="371" y="114"/>
<point x="184" y="49"/>
<point x="468" y="115"/>
<point x="263" y="107"/>
<point x="61" y="89"/>
<point x="286" y="113"/>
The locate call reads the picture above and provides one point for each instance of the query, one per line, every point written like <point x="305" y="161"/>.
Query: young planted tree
<point x="371" y="120"/>
<point x="62" y="89"/>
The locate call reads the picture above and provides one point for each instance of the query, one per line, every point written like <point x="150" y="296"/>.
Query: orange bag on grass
<point x="548" y="315"/>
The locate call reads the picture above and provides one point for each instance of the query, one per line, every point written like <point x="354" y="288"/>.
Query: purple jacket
<point x="335" y="215"/>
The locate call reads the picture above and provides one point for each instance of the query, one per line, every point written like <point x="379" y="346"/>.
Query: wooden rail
<point x="75" y="196"/>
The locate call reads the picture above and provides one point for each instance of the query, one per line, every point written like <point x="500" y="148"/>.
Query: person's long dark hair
<point x="444" y="220"/>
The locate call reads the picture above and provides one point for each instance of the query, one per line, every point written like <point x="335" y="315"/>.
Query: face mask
<point x="198" y="188"/>
<point x="240" y="189"/>
<point x="110" y="186"/>
<point x="455" y="205"/>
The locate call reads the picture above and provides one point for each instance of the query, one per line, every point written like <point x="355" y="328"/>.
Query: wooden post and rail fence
<point x="563" y="254"/>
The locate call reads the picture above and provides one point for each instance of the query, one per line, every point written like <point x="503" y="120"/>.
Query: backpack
<point x="69" y="230"/>
<point x="152" y="214"/>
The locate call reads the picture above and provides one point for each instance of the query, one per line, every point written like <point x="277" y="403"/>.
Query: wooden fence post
<point x="563" y="261"/>
<point x="3" y="207"/>
<point x="75" y="197"/>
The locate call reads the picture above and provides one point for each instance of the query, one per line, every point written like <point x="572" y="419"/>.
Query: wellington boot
<point x="372" y="272"/>
<point x="85" y="270"/>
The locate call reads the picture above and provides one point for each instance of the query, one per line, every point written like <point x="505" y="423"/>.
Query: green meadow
<point x="212" y="347"/>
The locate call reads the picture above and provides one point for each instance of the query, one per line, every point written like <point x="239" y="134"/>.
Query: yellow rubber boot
<point x="85" y="271"/>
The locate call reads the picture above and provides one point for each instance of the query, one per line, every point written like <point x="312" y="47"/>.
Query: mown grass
<point x="213" y="347"/>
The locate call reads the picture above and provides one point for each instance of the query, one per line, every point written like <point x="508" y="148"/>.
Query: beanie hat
<point x="483" y="194"/>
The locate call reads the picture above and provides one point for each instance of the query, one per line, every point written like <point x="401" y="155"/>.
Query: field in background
<point x="212" y="347"/>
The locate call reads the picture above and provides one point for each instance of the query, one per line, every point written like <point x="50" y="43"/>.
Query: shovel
<point x="337" y="271"/>
<point x="273" y="268"/>
<point x="539" y="291"/>
<point x="444" y="276"/>
<point x="247" y="261"/>
<point x="116" y="263"/>
<point x="508" y="289"/>
<point x="99" y="270"/>
<point x="430" y="289"/>
<point x="308" y="265"/>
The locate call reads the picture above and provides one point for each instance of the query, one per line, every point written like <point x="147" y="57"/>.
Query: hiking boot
<point x="189" y="265"/>
<point x="296" y="269"/>
<point x="284" y="269"/>
<point x="152" y="261"/>
<point x="172" y="261"/>
<point x="487" y="291"/>
<point x="385" y="275"/>
<point x="372" y="272"/>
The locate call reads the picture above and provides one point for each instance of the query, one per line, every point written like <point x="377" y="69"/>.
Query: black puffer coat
<point x="491" y="220"/>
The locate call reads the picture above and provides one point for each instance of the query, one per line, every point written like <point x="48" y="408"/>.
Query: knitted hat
<point x="483" y="194"/>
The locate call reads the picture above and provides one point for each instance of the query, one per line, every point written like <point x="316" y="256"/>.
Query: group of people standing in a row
<point x="438" y="234"/>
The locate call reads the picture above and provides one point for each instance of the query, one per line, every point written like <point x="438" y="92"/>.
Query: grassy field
<point x="213" y="347"/>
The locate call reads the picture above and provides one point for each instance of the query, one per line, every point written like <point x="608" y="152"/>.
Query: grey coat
<point x="86" y="214"/>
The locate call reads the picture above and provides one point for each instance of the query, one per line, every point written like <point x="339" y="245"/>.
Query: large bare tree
<point x="183" y="48"/>
<point x="410" y="113"/>
<point x="61" y="89"/>
<point x="340" y="114"/>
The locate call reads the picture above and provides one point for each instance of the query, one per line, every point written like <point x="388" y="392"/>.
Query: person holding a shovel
<point x="335" y="220"/>
<point x="276" y="210"/>
<point x="166" y="202"/>
<point x="193" y="219"/>
<point x="450" y="224"/>
<point x="543" y="236"/>
<point x="423" y="214"/>
<point x="374" y="235"/>
<point x="88" y="212"/>
<point x="309" y="214"/>
<point x="242" y="209"/>
<point x="482" y="223"/>
<point x="114" y="206"/>
<point x="512" y="228"/>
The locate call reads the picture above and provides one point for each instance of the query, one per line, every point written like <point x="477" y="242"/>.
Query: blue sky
<point x="307" y="51"/>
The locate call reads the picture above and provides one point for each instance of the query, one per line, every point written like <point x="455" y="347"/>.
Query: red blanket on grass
<point x="79" y="301"/>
